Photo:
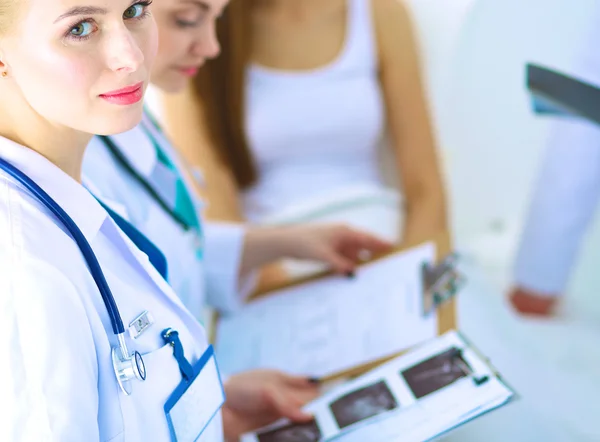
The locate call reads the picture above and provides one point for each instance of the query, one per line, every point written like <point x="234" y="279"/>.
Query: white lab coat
<point x="215" y="278"/>
<point x="56" y="376"/>
<point x="566" y="193"/>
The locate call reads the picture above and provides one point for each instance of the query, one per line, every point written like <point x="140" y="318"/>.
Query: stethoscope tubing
<point x="88" y="254"/>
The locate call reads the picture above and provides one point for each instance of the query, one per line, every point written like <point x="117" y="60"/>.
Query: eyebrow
<point x="202" y="5"/>
<point x="85" y="10"/>
<point x="81" y="10"/>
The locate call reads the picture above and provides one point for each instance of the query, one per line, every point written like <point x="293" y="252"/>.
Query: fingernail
<point x="350" y="275"/>
<point x="314" y="380"/>
<point x="482" y="380"/>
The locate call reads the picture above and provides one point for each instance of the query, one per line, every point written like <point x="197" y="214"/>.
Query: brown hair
<point x="220" y="87"/>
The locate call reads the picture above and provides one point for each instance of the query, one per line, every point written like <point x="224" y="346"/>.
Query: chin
<point x="122" y="120"/>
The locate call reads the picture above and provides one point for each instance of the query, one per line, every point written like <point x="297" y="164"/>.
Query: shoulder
<point x="43" y="311"/>
<point x="44" y="292"/>
<point x="390" y="14"/>
<point x="34" y="284"/>
<point x="36" y="257"/>
<point x="394" y="30"/>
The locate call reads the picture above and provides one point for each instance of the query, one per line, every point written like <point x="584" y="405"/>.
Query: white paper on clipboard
<point x="332" y="324"/>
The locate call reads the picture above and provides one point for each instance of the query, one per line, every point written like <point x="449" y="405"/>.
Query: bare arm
<point x="409" y="122"/>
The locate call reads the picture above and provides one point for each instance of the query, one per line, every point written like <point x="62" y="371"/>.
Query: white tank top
<point x="318" y="131"/>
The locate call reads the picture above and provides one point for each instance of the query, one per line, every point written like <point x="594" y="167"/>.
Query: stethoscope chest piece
<point x="128" y="368"/>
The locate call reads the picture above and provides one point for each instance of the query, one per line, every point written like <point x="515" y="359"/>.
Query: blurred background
<point x="473" y="54"/>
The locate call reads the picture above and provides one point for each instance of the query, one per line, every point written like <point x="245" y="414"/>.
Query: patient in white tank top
<point x="323" y="85"/>
<point x="316" y="132"/>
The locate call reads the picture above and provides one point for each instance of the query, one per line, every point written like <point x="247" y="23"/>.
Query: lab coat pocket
<point x="146" y="403"/>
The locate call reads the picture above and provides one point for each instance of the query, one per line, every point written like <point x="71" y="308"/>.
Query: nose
<point x="123" y="52"/>
<point x="208" y="45"/>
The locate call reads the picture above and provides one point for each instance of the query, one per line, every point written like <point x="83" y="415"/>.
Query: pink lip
<point x="126" y="96"/>
<point x="189" y="72"/>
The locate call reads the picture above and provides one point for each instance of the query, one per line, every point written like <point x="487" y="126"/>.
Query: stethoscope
<point x="126" y="164"/>
<point x="127" y="366"/>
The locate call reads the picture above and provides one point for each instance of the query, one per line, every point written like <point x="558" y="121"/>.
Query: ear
<point x="3" y="67"/>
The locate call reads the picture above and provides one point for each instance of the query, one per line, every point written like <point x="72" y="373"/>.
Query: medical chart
<point x="332" y="324"/>
<point x="416" y="397"/>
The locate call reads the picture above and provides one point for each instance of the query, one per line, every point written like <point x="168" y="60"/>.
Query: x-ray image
<point x="362" y="404"/>
<point x="437" y="372"/>
<point x="306" y="432"/>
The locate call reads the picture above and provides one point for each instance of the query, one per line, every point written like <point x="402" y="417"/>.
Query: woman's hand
<point x="260" y="397"/>
<point x="339" y="246"/>
<point x="530" y="303"/>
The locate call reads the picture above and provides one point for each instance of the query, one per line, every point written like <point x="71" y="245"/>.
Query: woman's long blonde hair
<point x="7" y="15"/>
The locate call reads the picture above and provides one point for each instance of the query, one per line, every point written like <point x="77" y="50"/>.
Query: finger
<point x="287" y="406"/>
<point x="306" y="395"/>
<point x="372" y="243"/>
<point x="301" y="381"/>
<point x="338" y="262"/>
<point x="354" y="252"/>
<point x="304" y="389"/>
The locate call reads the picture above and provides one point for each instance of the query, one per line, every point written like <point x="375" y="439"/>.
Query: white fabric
<point x="372" y="209"/>
<point x="56" y="373"/>
<point x="213" y="280"/>
<point x="567" y="192"/>
<point x="316" y="131"/>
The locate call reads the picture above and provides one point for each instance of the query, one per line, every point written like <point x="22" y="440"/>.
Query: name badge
<point x="195" y="402"/>
<point x="140" y="324"/>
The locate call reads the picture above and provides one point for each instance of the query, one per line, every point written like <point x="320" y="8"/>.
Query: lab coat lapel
<point x="143" y="265"/>
<point x="168" y="150"/>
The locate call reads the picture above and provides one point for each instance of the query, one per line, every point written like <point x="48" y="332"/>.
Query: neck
<point x="62" y="146"/>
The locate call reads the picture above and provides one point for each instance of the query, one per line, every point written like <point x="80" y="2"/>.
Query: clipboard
<point x="441" y="283"/>
<point x="556" y="93"/>
<point x="430" y="367"/>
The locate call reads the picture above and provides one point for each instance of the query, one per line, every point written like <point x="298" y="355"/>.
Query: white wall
<point x="475" y="52"/>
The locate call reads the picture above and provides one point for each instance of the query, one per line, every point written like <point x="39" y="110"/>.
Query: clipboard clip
<point x="441" y="283"/>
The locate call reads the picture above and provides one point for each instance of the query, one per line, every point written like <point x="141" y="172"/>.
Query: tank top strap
<point x="362" y="50"/>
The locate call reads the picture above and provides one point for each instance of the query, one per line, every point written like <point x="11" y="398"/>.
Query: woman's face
<point x="187" y="38"/>
<point x="82" y="64"/>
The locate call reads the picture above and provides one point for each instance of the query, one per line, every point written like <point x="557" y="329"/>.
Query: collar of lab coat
<point x="138" y="150"/>
<point x="70" y="195"/>
<point x="137" y="147"/>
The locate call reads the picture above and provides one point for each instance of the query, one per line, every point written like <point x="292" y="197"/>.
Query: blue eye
<point x="134" y="11"/>
<point x="82" y="29"/>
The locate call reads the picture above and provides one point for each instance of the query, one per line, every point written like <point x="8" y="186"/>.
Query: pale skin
<point x="281" y="32"/>
<point x="79" y="70"/>
<point x="86" y="54"/>
<point x="186" y="39"/>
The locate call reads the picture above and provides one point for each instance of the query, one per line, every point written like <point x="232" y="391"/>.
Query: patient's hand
<point x="259" y="397"/>
<point x="341" y="247"/>
<point x="530" y="303"/>
<point x="337" y="245"/>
